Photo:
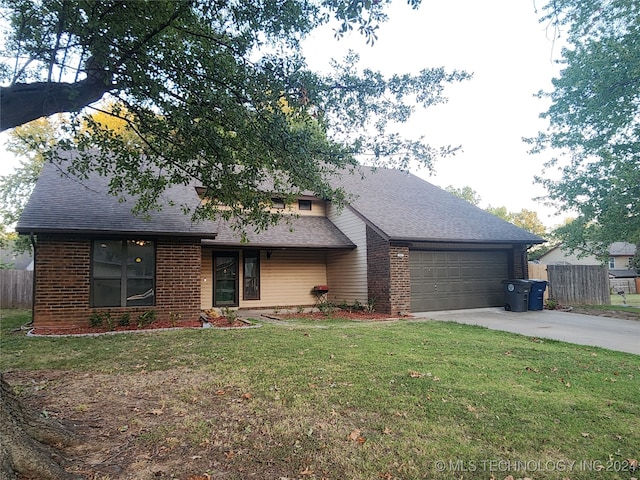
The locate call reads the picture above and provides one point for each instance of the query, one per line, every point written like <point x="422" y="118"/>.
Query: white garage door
<point x="450" y="280"/>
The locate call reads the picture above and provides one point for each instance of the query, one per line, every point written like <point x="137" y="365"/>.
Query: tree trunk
<point x="28" y="441"/>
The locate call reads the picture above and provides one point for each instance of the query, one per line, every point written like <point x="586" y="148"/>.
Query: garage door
<point x="448" y="280"/>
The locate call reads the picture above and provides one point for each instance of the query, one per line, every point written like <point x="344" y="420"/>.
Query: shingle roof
<point x="402" y="206"/>
<point x="63" y="203"/>
<point x="622" y="248"/>
<point x="399" y="205"/>
<point x="300" y="232"/>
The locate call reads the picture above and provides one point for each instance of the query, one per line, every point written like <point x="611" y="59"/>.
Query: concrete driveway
<point x="611" y="333"/>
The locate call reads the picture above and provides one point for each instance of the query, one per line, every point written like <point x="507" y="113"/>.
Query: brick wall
<point x="63" y="287"/>
<point x="378" y="271"/>
<point x="520" y="262"/>
<point x="400" y="291"/>
<point x="388" y="275"/>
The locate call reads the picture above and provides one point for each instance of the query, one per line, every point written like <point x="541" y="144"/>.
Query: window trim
<point x="612" y="262"/>
<point x="305" y="202"/>
<point x="123" y="278"/>
<point x="245" y="255"/>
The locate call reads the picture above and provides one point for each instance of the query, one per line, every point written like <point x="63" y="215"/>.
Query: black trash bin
<point x="536" y="295"/>
<point x="516" y="295"/>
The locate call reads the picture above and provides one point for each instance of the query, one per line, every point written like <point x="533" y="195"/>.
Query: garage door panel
<point x="457" y="279"/>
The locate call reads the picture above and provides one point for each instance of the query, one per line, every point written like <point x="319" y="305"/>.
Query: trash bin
<point x="536" y="295"/>
<point x="516" y="295"/>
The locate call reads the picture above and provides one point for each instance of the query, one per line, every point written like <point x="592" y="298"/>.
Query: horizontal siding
<point x="206" y="280"/>
<point x="286" y="279"/>
<point x="347" y="270"/>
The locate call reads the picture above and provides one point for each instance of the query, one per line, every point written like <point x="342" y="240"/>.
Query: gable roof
<point x="398" y="205"/>
<point x="62" y="203"/>
<point x="403" y="207"/>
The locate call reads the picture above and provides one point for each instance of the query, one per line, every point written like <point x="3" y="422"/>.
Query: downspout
<point x="33" y="281"/>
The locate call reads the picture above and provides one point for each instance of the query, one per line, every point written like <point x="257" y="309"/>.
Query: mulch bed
<point x="214" y="322"/>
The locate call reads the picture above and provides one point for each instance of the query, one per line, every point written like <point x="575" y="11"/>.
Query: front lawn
<point x="334" y="400"/>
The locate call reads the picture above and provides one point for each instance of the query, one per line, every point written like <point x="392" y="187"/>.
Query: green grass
<point x="633" y="299"/>
<point x="379" y="400"/>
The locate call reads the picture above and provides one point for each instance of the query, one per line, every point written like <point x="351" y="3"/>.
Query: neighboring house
<point x="619" y="261"/>
<point x="10" y="259"/>
<point x="559" y="256"/>
<point x="402" y="243"/>
<point x="620" y="257"/>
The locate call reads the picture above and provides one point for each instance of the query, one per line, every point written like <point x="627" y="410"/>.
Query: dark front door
<point x="225" y="279"/>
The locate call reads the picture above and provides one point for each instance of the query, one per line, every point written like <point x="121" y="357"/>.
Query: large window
<point x="123" y="273"/>
<point x="251" y="275"/>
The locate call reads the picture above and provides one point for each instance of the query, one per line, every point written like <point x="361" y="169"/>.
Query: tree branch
<point x="23" y="102"/>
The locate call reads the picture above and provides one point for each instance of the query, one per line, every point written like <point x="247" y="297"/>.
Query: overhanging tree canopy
<point x="594" y="122"/>
<point x="215" y="91"/>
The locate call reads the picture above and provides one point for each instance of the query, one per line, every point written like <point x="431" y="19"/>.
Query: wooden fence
<point x="16" y="287"/>
<point x="574" y="284"/>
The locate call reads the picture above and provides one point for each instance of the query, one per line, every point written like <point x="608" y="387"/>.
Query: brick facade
<point x="378" y="271"/>
<point x="63" y="282"/>
<point x="520" y="262"/>
<point x="388" y="275"/>
<point x="400" y="291"/>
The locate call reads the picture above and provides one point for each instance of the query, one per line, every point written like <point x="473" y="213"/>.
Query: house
<point x="402" y="243"/>
<point x="619" y="261"/>
<point x="622" y="277"/>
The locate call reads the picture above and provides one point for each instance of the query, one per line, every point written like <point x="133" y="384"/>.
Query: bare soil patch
<point x="174" y="424"/>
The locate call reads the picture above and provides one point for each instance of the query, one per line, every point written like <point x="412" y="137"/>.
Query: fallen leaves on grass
<point x="356" y="436"/>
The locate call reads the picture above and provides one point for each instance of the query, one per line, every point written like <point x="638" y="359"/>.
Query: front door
<point x="225" y="279"/>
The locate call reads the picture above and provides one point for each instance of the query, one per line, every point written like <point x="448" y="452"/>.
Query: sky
<point x="511" y="57"/>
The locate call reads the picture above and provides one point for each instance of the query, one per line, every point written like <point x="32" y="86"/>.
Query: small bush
<point x="146" y="318"/>
<point x="230" y="314"/>
<point x="96" y="319"/>
<point x="125" y="319"/>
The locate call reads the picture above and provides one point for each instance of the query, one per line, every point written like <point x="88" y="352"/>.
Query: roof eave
<point x="466" y="241"/>
<point x="96" y="232"/>
<point x="278" y="246"/>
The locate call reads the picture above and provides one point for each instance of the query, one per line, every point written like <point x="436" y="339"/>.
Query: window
<point x="277" y="203"/>
<point x="251" y="290"/>
<point x="612" y="262"/>
<point x="304" y="204"/>
<point x="123" y="273"/>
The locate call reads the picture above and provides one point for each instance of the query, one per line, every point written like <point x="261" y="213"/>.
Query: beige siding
<point x="286" y="279"/>
<point x="318" y="209"/>
<point x="558" y="256"/>
<point x="347" y="270"/>
<point x="621" y="262"/>
<point x="206" y="280"/>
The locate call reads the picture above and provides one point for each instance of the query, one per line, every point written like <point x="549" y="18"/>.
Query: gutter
<point x="33" y="280"/>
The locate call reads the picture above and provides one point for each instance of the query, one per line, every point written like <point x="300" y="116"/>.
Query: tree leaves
<point x="219" y="95"/>
<point x="594" y="122"/>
